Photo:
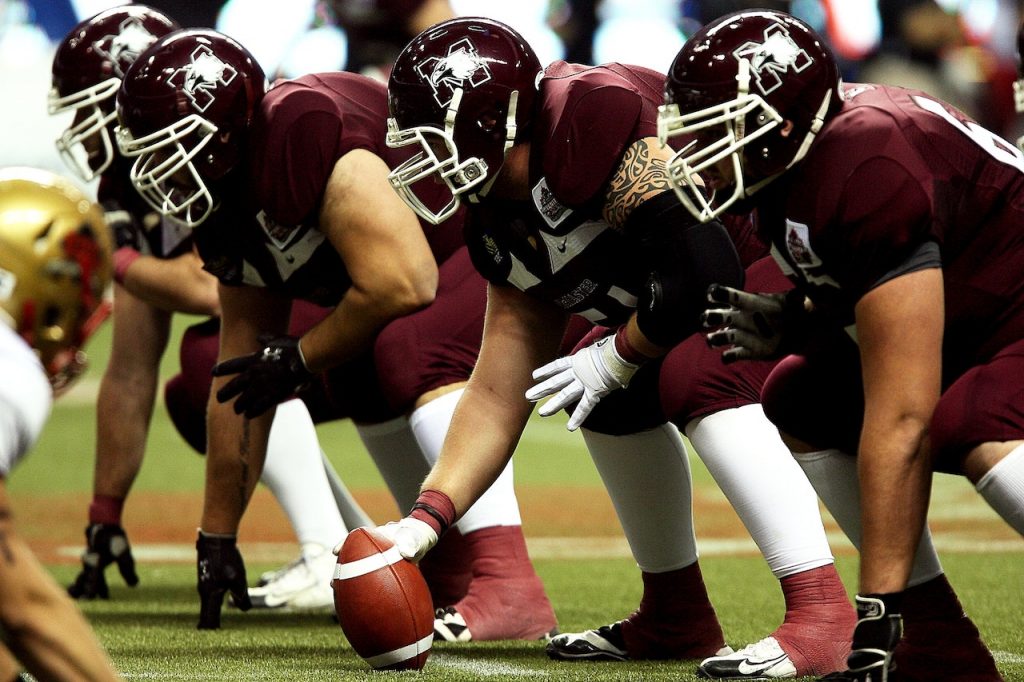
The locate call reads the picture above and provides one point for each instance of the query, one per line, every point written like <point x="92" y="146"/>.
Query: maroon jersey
<point x="266" y="231"/>
<point x="556" y="246"/>
<point x="895" y="182"/>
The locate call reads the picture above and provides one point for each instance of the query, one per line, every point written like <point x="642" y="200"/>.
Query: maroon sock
<point x="506" y="598"/>
<point x="106" y="509"/>
<point x="819" y="622"/>
<point x="939" y="640"/>
<point x="447" y="569"/>
<point x="675" y="618"/>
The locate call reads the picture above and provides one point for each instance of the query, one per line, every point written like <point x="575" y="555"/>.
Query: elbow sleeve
<point x="685" y="257"/>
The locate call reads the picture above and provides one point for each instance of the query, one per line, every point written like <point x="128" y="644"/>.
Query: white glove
<point x="587" y="376"/>
<point x="412" y="537"/>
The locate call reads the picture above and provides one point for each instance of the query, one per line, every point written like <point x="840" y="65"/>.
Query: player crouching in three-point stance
<point x="901" y="222"/>
<point x="570" y="212"/>
<point x="286" y="191"/>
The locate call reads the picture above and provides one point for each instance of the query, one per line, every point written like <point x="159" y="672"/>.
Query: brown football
<point x="383" y="603"/>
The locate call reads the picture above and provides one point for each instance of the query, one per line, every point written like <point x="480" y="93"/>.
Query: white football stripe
<point x="401" y="654"/>
<point x="354" y="569"/>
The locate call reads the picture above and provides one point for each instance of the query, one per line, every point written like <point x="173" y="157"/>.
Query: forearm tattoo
<point x="640" y="176"/>
<point x="243" y="456"/>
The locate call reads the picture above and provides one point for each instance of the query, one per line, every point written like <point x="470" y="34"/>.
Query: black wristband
<point x="434" y="514"/>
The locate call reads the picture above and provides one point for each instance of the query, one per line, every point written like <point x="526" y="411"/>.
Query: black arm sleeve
<point x="685" y="257"/>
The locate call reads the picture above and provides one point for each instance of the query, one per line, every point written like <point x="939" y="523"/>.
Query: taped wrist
<point x="435" y="509"/>
<point x="626" y="350"/>
<point x="685" y="257"/>
<point x="123" y="259"/>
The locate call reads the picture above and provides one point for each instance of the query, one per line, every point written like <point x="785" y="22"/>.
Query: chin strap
<point x="816" y="125"/>
<point x="510" y="139"/>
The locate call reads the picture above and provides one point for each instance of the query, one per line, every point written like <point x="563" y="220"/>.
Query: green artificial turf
<point x="150" y="631"/>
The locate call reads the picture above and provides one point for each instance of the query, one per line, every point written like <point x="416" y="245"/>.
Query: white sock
<point x="498" y="505"/>
<point x="647" y="475"/>
<point x="755" y="470"/>
<point x="1003" y="488"/>
<point x="352" y="514"/>
<point x="398" y="457"/>
<point x="294" y="473"/>
<point x="834" y="476"/>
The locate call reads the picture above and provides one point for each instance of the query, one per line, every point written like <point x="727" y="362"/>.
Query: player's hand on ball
<point x="412" y="537"/>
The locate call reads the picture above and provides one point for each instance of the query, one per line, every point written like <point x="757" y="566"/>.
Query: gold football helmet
<point x="55" y="267"/>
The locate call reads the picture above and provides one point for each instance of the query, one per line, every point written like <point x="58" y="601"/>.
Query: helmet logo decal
<point x="121" y="50"/>
<point x="770" y="60"/>
<point x="202" y="76"/>
<point x="463" y="67"/>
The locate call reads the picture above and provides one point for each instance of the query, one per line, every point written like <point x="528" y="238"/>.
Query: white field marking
<point x="483" y="669"/>
<point x="85" y="390"/>
<point x="569" y="548"/>
<point x="1007" y="657"/>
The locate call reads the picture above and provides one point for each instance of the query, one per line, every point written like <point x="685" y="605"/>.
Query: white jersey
<point x="25" y="398"/>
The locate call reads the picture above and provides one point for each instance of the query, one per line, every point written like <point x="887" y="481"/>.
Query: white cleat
<point x="305" y="583"/>
<point x="764" y="660"/>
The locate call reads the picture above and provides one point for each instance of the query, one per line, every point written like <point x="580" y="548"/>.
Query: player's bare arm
<point x="127" y="391"/>
<point x="236" y="446"/>
<point x="519" y="334"/>
<point x="386" y="254"/>
<point x="177" y="285"/>
<point x="640" y="176"/>
<point x="899" y="330"/>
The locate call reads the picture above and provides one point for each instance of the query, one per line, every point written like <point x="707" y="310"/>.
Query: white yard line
<point x="569" y="548"/>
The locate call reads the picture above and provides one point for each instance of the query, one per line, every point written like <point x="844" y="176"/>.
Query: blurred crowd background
<point x="962" y="51"/>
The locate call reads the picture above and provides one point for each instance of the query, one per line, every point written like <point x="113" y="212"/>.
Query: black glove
<point x="879" y="628"/>
<point x="221" y="569"/>
<point x="105" y="544"/>
<point x="265" y="378"/>
<point x="124" y="228"/>
<point x="755" y="326"/>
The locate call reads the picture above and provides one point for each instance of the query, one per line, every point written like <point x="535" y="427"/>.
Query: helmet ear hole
<point x="51" y="322"/>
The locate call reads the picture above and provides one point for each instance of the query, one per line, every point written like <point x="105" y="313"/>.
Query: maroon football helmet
<point x="734" y="85"/>
<point x="184" y="110"/>
<point x="87" y="71"/>
<point x="464" y="91"/>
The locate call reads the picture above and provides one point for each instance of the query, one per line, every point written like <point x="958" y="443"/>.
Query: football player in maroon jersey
<point x="158" y="274"/>
<point x="570" y="213"/>
<point x="899" y="220"/>
<point x="287" y="192"/>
